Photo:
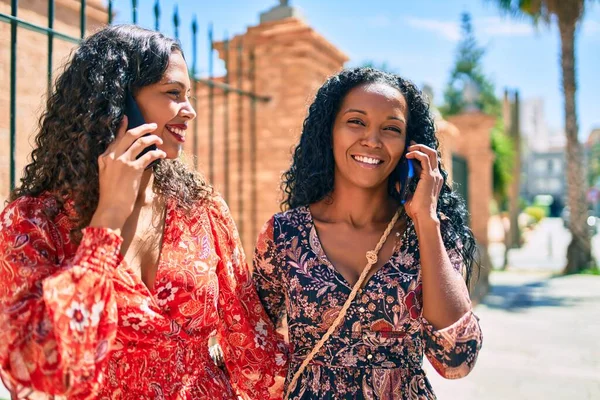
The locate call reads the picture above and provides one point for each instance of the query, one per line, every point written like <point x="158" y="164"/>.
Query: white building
<point x="535" y="132"/>
<point x="543" y="155"/>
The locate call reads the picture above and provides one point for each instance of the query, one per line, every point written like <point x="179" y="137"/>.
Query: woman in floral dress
<point x="113" y="275"/>
<point x="341" y="192"/>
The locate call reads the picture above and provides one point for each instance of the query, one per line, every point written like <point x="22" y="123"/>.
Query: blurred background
<point x="513" y="86"/>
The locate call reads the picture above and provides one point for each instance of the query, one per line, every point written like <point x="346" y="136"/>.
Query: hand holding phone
<point x="405" y="173"/>
<point x="423" y="201"/>
<point x="135" y="119"/>
<point x="120" y="173"/>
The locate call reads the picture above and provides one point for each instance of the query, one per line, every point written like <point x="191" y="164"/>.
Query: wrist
<point x="427" y="226"/>
<point x="110" y="219"/>
<point x="428" y="219"/>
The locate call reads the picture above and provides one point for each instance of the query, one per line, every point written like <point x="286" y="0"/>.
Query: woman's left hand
<point x="423" y="202"/>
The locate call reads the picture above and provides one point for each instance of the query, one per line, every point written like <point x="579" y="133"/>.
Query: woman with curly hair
<point x="115" y="268"/>
<point x="356" y="331"/>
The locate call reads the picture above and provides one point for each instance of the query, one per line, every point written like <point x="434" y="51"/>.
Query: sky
<point x="416" y="39"/>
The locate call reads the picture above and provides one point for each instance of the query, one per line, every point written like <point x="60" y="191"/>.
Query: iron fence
<point x="225" y="88"/>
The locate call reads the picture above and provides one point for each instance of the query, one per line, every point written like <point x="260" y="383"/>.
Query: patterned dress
<point x="76" y="321"/>
<point x="377" y="352"/>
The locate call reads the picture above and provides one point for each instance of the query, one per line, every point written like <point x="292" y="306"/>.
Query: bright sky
<point x="417" y="39"/>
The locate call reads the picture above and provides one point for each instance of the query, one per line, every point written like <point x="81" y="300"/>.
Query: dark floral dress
<point x="377" y="352"/>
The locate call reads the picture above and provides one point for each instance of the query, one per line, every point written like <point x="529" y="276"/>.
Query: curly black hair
<point x="310" y="177"/>
<point x="83" y="114"/>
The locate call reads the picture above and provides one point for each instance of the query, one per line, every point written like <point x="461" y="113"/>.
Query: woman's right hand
<point x="120" y="174"/>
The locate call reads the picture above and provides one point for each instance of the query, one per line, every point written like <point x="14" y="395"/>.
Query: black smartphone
<point x="405" y="173"/>
<point x="135" y="119"/>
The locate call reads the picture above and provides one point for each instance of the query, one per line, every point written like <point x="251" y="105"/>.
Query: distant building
<point x="545" y="175"/>
<point x="543" y="156"/>
<point x="592" y="152"/>
<point x="535" y="132"/>
<point x="533" y="126"/>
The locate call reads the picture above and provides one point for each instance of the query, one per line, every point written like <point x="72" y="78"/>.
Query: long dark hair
<point x="311" y="175"/>
<point x="83" y="114"/>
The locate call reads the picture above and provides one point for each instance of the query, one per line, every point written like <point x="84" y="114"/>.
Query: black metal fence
<point x="223" y="88"/>
<point x="460" y="177"/>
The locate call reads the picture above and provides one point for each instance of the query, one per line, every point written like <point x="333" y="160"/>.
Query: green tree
<point x="383" y="66"/>
<point x="567" y="14"/>
<point x="468" y="71"/>
<point x="594" y="165"/>
<point x="502" y="169"/>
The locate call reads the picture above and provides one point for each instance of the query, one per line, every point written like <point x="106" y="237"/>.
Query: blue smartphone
<point x="405" y="173"/>
<point x="135" y="119"/>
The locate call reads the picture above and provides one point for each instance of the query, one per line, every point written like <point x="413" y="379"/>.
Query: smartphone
<point x="135" y="119"/>
<point x="405" y="173"/>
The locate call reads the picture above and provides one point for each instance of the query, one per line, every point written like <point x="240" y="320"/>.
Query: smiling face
<point x="369" y="135"/>
<point x="167" y="104"/>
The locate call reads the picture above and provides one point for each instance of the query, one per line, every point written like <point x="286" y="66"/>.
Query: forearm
<point x="445" y="295"/>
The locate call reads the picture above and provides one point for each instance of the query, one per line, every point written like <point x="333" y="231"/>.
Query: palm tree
<point x="567" y="14"/>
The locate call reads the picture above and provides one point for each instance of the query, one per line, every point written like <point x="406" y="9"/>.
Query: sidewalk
<point x="545" y="248"/>
<point x="541" y="341"/>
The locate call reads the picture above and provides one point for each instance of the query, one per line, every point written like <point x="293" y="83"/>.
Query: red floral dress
<point x="76" y="321"/>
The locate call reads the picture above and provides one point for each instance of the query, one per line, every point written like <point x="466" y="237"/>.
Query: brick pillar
<point x="474" y="144"/>
<point x="291" y="62"/>
<point x="471" y="140"/>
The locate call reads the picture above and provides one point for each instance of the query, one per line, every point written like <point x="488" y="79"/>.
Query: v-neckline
<point x="323" y="256"/>
<point x="151" y="291"/>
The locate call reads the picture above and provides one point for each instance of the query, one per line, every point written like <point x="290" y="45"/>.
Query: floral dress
<point x="377" y="352"/>
<point x="76" y="321"/>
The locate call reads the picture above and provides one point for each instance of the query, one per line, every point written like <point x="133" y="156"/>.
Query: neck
<point x="359" y="207"/>
<point x="146" y="194"/>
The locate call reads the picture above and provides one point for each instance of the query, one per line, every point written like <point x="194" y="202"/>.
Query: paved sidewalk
<point x="545" y="248"/>
<point x="541" y="341"/>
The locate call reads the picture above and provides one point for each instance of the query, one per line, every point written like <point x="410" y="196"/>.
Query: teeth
<point x="367" y="160"/>
<point x="177" y="131"/>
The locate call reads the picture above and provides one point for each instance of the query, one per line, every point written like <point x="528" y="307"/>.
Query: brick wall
<point x="32" y="55"/>
<point x="473" y="143"/>
<point x="291" y="63"/>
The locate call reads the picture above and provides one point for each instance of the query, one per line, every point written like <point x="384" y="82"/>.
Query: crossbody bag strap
<point x="371" y="260"/>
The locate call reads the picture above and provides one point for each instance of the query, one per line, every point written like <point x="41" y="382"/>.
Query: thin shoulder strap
<point x="371" y="260"/>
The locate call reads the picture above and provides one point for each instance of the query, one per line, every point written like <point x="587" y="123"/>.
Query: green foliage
<point x="591" y="271"/>
<point x="568" y="11"/>
<point x="468" y="70"/>
<point x="594" y="165"/>
<point x="503" y="148"/>
<point x="384" y="66"/>
<point x="535" y="212"/>
<point x="522" y="203"/>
